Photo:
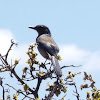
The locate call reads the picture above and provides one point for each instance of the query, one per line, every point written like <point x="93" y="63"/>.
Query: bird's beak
<point x="31" y="27"/>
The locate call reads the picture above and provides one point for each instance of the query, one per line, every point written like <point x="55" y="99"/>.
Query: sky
<point x="74" y="24"/>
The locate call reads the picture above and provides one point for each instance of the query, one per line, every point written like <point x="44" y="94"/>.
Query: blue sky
<point x="74" y="24"/>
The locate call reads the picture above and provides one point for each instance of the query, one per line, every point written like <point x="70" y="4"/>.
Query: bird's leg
<point x="50" y="66"/>
<point x="47" y="64"/>
<point x="44" y="65"/>
<point x="45" y="61"/>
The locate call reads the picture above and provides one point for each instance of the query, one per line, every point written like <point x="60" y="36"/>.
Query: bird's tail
<point x="56" y="66"/>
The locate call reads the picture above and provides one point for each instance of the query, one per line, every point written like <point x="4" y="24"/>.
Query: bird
<point x="47" y="46"/>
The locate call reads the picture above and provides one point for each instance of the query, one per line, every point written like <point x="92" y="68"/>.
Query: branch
<point x="4" y="62"/>
<point x="12" y="70"/>
<point x="3" y="93"/>
<point x="19" y="91"/>
<point x="12" y="43"/>
<point x="53" y="91"/>
<point x="1" y="82"/>
<point x="20" y="80"/>
<point x="76" y="91"/>
<point x="70" y="66"/>
<point x="37" y="87"/>
<point x="74" y="84"/>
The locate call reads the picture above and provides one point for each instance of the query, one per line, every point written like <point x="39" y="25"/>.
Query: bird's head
<point x="41" y="29"/>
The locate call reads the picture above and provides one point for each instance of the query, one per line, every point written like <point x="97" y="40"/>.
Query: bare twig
<point x="1" y="82"/>
<point x="70" y="66"/>
<point x="19" y="91"/>
<point x="74" y="84"/>
<point x="12" y="43"/>
<point x="63" y="97"/>
<point x="20" y="80"/>
<point x="76" y="92"/>
<point x="3" y="93"/>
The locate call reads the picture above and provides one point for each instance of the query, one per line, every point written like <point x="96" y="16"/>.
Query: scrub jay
<point x="47" y="46"/>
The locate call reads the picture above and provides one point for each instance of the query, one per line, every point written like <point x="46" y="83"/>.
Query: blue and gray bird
<point x="47" y="46"/>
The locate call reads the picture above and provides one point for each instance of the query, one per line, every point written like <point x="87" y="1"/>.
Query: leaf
<point x="15" y="97"/>
<point x="57" y="92"/>
<point x="26" y="87"/>
<point x="58" y="57"/>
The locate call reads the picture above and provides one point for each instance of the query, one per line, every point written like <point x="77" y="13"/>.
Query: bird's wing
<point x="48" y="44"/>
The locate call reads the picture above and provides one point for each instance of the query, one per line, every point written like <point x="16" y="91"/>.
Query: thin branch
<point x="3" y="60"/>
<point x="3" y="93"/>
<point x="18" y="91"/>
<point x="37" y="87"/>
<point x="12" y="43"/>
<point x="14" y="73"/>
<point x="52" y="92"/>
<point x="70" y="66"/>
<point x="74" y="84"/>
<point x="63" y="97"/>
<point x="76" y="92"/>
<point x="20" y="80"/>
<point x="11" y="87"/>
